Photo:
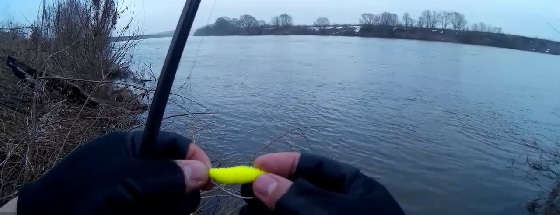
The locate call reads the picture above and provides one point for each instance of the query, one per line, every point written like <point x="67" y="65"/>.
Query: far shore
<point x="498" y="40"/>
<point x="453" y="36"/>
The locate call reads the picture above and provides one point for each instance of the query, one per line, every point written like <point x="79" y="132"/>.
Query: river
<point x="446" y="127"/>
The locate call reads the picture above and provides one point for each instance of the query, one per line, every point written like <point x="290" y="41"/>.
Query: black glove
<point x="323" y="186"/>
<point x="110" y="176"/>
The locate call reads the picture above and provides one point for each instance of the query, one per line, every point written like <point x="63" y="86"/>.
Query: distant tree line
<point x="244" y="25"/>
<point x="284" y="20"/>
<point x="430" y="25"/>
<point x="428" y="19"/>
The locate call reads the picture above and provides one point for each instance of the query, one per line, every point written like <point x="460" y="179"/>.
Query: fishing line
<point x="195" y="62"/>
<point x="197" y="50"/>
<point x="167" y="77"/>
<point x="144" y="11"/>
<point x="231" y="193"/>
<point x="231" y="175"/>
<point x="553" y="27"/>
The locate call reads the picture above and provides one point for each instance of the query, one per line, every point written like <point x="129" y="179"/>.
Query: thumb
<point x="195" y="172"/>
<point x="269" y="188"/>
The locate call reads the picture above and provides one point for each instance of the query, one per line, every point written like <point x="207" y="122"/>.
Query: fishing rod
<point x="167" y="76"/>
<point x="233" y="175"/>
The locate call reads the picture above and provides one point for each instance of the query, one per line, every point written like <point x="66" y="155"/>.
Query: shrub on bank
<point x="70" y="44"/>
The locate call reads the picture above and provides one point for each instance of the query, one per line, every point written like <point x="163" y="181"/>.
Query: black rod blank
<point x="167" y="76"/>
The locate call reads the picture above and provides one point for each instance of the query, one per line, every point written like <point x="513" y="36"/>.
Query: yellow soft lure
<point x="235" y="175"/>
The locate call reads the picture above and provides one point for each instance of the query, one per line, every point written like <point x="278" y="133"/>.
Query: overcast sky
<point x="525" y="17"/>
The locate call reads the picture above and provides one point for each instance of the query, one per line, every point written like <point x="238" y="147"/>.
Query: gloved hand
<point x="110" y="176"/>
<point x="308" y="184"/>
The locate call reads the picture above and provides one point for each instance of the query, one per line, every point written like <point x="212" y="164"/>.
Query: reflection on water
<point x="441" y="125"/>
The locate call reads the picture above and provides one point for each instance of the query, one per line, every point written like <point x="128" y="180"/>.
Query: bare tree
<point x="496" y="30"/>
<point x="474" y="27"/>
<point x="275" y="21"/>
<point x="248" y="24"/>
<point x="285" y="20"/>
<point x="421" y="22"/>
<point x="225" y="26"/>
<point x="407" y="20"/>
<point x="478" y="27"/>
<point x="235" y="22"/>
<point x="481" y="26"/>
<point x="458" y="21"/>
<point x="428" y="19"/>
<point x="438" y="19"/>
<point x="248" y="21"/>
<point x="389" y="19"/>
<point x="368" y="19"/>
<point x="377" y="20"/>
<point x="322" y="22"/>
<point x="444" y="19"/>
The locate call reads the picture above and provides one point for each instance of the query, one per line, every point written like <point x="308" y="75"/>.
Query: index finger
<point x="196" y="153"/>
<point x="283" y="164"/>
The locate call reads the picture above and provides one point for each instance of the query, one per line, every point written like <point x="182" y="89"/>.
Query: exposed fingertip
<point x="195" y="172"/>
<point x="283" y="164"/>
<point x="269" y="188"/>
<point x="196" y="153"/>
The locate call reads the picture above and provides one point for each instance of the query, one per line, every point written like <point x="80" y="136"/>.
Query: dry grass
<point x="38" y="126"/>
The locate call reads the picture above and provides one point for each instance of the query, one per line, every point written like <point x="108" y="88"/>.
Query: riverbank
<point x="398" y="32"/>
<point x="63" y="84"/>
